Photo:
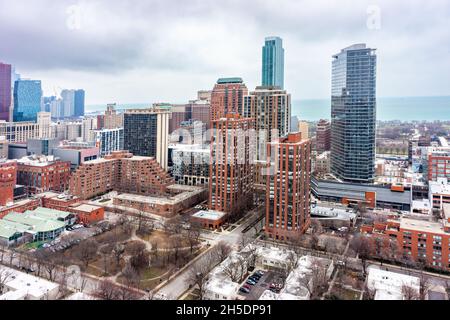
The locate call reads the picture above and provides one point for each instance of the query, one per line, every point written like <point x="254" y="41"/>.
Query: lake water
<point x="392" y="108"/>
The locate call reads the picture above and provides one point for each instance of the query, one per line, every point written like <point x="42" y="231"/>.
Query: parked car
<point x="247" y="286"/>
<point x="254" y="279"/>
<point x="244" y="290"/>
<point x="250" y="282"/>
<point x="260" y="272"/>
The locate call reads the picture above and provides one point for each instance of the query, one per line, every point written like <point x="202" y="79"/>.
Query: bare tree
<point x="222" y="250"/>
<point x="369" y="292"/>
<point x="199" y="273"/>
<point x="87" y="251"/>
<point x="409" y="293"/>
<point x="316" y="226"/>
<point x="106" y="290"/>
<point x="424" y="286"/>
<point x="3" y="247"/>
<point x="131" y="276"/>
<point x="5" y="276"/>
<point x="361" y="245"/>
<point x="193" y="235"/>
<point x="236" y="268"/>
<point x="316" y="281"/>
<point x="51" y="267"/>
<point x="118" y="251"/>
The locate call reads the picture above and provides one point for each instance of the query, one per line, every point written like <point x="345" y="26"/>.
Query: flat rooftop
<point x="209" y="215"/>
<point x="27" y="284"/>
<point x="185" y="193"/>
<point x="86" y="207"/>
<point x="439" y="187"/>
<point x="410" y="223"/>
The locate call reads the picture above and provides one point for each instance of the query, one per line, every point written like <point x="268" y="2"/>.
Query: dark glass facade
<point x="140" y="133"/>
<point x="353" y="114"/>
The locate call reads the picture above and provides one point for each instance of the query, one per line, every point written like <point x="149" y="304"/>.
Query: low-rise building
<point x="17" y="285"/>
<point x="439" y="193"/>
<point x="177" y="199"/>
<point x="210" y="219"/>
<point x="76" y="154"/>
<point x="391" y="285"/>
<point x="40" y="174"/>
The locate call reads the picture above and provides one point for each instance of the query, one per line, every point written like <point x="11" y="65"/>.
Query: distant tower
<point x="5" y="91"/>
<point x="27" y="100"/>
<point x="353" y="114"/>
<point x="273" y="62"/>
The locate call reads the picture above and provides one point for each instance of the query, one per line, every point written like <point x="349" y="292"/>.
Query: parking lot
<point x="263" y="284"/>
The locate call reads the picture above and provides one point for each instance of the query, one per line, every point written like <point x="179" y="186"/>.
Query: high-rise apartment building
<point x="271" y="109"/>
<point x="231" y="174"/>
<point x="111" y="119"/>
<point x="5" y="91"/>
<point x="27" y="100"/>
<point x="288" y="187"/>
<point x="109" y="140"/>
<point x="227" y="97"/>
<point x="323" y="136"/>
<point x="353" y="114"/>
<point x="273" y="62"/>
<point x="146" y="133"/>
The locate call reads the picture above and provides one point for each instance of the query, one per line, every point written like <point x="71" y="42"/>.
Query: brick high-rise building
<point x="119" y="171"/>
<point x="227" y="97"/>
<point x="288" y="187"/>
<point x="231" y="174"/>
<point x="5" y="91"/>
<point x="323" y="136"/>
<point x="8" y="174"/>
<point x="201" y="111"/>
<point x="43" y="173"/>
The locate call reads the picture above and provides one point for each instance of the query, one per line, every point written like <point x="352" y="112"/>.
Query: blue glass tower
<point x="27" y="100"/>
<point x="79" y="103"/>
<point x="273" y="62"/>
<point x="353" y="114"/>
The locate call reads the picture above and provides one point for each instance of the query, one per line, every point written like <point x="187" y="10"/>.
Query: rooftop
<point x="389" y="285"/>
<point x="25" y="284"/>
<point x="37" y="161"/>
<point x="441" y="186"/>
<point x="86" y="208"/>
<point x="230" y="80"/>
<point x="410" y="223"/>
<point x="209" y="215"/>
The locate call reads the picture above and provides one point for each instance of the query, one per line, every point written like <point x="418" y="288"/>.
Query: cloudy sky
<point x="162" y="50"/>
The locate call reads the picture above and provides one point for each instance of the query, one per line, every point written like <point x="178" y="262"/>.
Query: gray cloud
<point x="176" y="47"/>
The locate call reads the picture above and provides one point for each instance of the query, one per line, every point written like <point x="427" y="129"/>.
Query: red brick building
<point x="120" y="171"/>
<point x="323" y="136"/>
<point x="288" y="187"/>
<point x="8" y="176"/>
<point x="87" y="213"/>
<point x="20" y="207"/>
<point x="439" y="165"/>
<point x="227" y="97"/>
<point x="40" y="174"/>
<point x="201" y="112"/>
<point x="416" y="239"/>
<point x="231" y="174"/>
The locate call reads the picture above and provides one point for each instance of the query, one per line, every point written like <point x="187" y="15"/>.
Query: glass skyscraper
<point x="79" y="103"/>
<point x="273" y="62"/>
<point x="27" y="100"/>
<point x="353" y="114"/>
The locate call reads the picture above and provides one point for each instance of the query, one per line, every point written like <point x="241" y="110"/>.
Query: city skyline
<point x="88" y="54"/>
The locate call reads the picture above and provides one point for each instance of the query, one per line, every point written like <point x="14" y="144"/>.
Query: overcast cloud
<point x="151" y="50"/>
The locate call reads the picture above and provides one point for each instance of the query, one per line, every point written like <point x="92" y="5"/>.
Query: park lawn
<point x="153" y="272"/>
<point x="33" y="245"/>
